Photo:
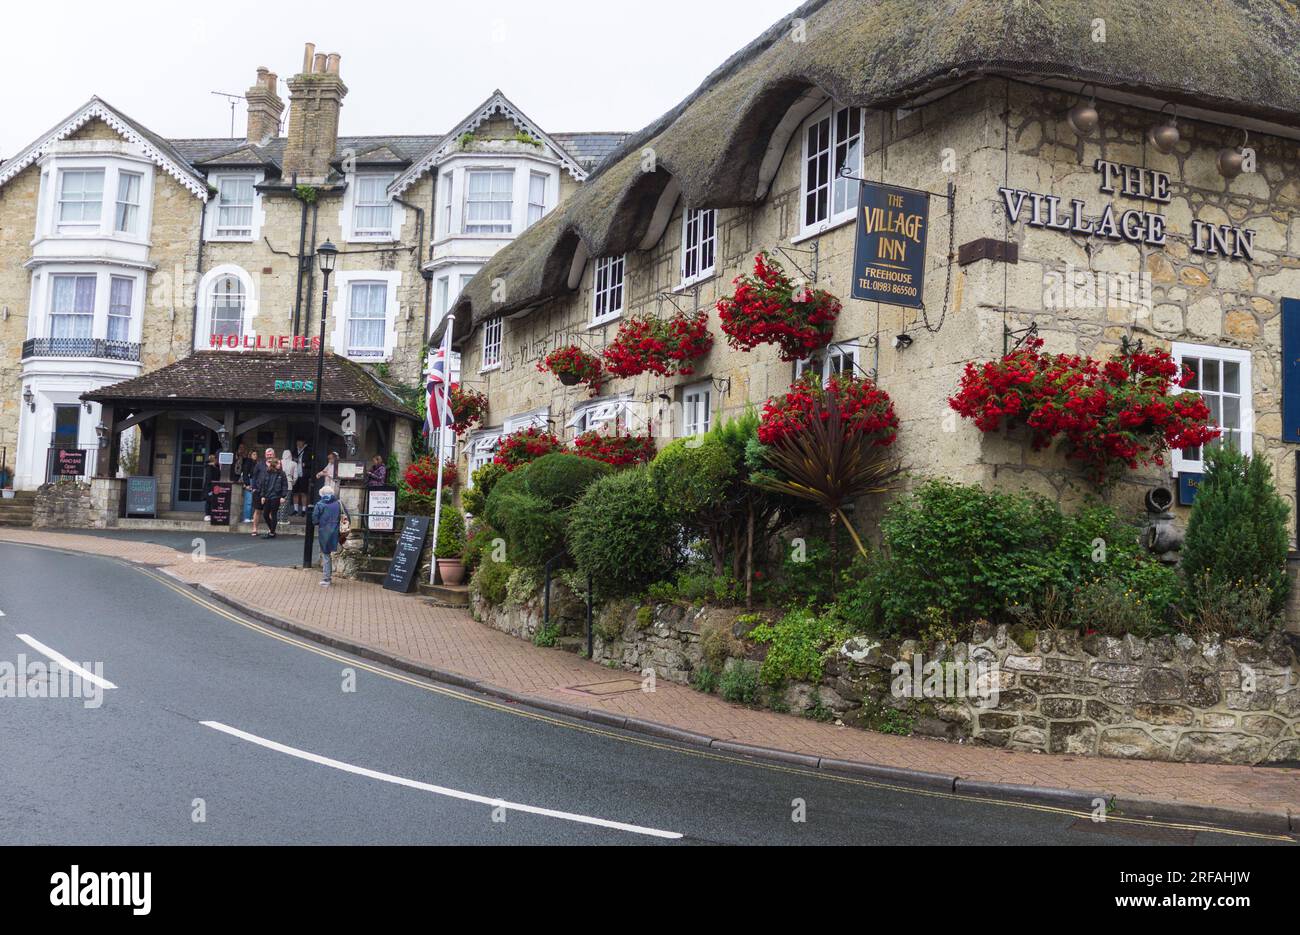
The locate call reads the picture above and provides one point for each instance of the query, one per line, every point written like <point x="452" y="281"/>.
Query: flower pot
<point x="451" y="571"/>
<point x="569" y="378"/>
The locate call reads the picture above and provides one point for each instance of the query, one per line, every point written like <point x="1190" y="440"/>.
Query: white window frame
<point x="448" y="200"/>
<point x="699" y="244"/>
<point x="354" y="350"/>
<point x="126" y="213"/>
<point x="593" y="414"/>
<point x="112" y="314"/>
<point x="835" y="148"/>
<point x="539" y="418"/>
<point x="481" y="448"/>
<point x="83" y="225"/>
<point x="492" y="329"/>
<point x="229" y="233"/>
<point x="341" y="337"/>
<point x="608" y="288"/>
<point x="203" y="327"/>
<point x="52" y="315"/>
<point x="382" y="232"/>
<point x="492" y="227"/>
<point x="697" y="409"/>
<point x="833" y="354"/>
<point x="1180" y="351"/>
<point x="533" y="206"/>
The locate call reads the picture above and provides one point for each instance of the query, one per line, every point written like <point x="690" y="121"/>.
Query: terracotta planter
<point x="451" y="571"/>
<point x="569" y="378"/>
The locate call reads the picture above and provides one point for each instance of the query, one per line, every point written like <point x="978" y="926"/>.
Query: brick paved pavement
<point x="450" y="640"/>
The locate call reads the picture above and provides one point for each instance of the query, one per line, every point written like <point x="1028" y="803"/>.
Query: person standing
<point x="325" y="517"/>
<point x="211" y="474"/>
<point x="330" y="473"/>
<point x="301" y="457"/>
<point x="274" y="489"/>
<point x="247" y="465"/>
<point x="377" y="476"/>
<point x="258" y="481"/>
<point x="292" y="470"/>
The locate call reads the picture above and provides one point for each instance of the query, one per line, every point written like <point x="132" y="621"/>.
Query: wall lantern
<point x="1231" y="158"/>
<point x="1083" y="116"/>
<point x="350" y="440"/>
<point x="223" y="438"/>
<point x="87" y="407"/>
<point x="101" y="432"/>
<point x="1165" y="136"/>
<point x="902" y="341"/>
<point x="29" y="398"/>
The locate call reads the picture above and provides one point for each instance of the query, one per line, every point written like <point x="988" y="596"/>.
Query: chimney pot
<point x="264" y="108"/>
<point x="318" y="64"/>
<point x="332" y="63"/>
<point x="309" y="52"/>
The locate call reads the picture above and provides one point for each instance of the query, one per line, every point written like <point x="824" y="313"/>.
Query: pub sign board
<point x="1291" y="371"/>
<point x="70" y="462"/>
<point x="142" y="496"/>
<point x="219" y="506"/>
<point x="406" y="557"/>
<point x="889" y="250"/>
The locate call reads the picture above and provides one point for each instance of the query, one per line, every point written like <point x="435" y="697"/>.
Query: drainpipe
<point x="302" y="243"/>
<point x="311" y="274"/>
<point x="198" y="276"/>
<point x="419" y="252"/>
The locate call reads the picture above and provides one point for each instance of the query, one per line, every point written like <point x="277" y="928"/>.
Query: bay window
<point x="489" y="201"/>
<point x="536" y="197"/>
<point x="120" y="292"/>
<point x="81" y="197"/>
<point x="126" y="217"/>
<point x="72" y="306"/>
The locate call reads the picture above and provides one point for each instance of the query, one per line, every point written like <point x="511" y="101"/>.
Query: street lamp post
<point x="326" y="254"/>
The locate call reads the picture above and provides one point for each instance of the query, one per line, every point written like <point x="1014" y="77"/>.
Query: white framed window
<point x="492" y="343"/>
<point x="596" y="413"/>
<point x="72" y="306"/>
<point x="536" y="197"/>
<point x="446" y="203"/>
<point x="1222" y="377"/>
<point x="697" y="409"/>
<point x="372" y="209"/>
<point x="836" y="359"/>
<point x="367" y="318"/>
<point x="489" y="201"/>
<point x="442" y="295"/>
<point x="699" y="244"/>
<point x="539" y="418"/>
<point x="832" y="139"/>
<point x="126" y="217"/>
<point x="482" y="450"/>
<point x="607" y="289"/>
<point x="235" y="198"/>
<point x="121" y="291"/>
<point x="227" y="301"/>
<point x="81" y="198"/>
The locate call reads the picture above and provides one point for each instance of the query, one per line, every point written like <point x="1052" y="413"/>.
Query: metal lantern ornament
<point x="1083" y="115"/>
<point x="1165" y="136"/>
<point x="1232" y="159"/>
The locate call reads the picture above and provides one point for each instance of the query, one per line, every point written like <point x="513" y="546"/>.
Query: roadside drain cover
<point x="616" y="687"/>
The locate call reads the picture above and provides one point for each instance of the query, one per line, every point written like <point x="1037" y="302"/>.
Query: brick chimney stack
<point x="315" y="99"/>
<point x="264" y="108"/>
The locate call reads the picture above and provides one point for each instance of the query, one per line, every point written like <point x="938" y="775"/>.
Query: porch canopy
<point x="232" y="392"/>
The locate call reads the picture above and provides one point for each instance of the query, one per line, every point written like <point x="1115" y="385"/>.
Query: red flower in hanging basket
<point x="769" y="308"/>
<point x="663" y="346"/>
<point x="616" y="449"/>
<point x="518" y="448"/>
<point x="1120" y="414"/>
<point x="422" y="476"/>
<point x="573" y="365"/>
<point x="866" y="409"/>
<point x="468" y="407"/>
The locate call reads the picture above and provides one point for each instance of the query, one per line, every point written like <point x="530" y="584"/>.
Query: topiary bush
<point x="559" y="479"/>
<point x="530" y="505"/>
<point x="1237" y="535"/>
<point x="450" y="542"/>
<point x="620" y="534"/>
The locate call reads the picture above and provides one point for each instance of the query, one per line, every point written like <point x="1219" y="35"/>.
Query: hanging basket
<point x="569" y="377"/>
<point x="572" y="365"/>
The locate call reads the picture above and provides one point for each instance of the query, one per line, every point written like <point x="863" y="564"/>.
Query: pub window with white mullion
<point x="81" y="197"/>
<point x="372" y="212"/>
<point x="831" y="142"/>
<point x="1222" y="378"/>
<point x="235" y="206"/>
<point x="608" y="288"/>
<point x="128" y="202"/>
<point x="489" y="201"/>
<point x="491" y="342"/>
<point x="120" y="294"/>
<point x="367" y="318"/>
<point x="699" y="243"/>
<point x="72" y="306"/>
<point x="697" y="409"/>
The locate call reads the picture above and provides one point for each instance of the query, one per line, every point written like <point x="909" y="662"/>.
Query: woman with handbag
<point x="332" y="525"/>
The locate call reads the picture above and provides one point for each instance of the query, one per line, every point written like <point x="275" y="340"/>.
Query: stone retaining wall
<point x="1167" y="698"/>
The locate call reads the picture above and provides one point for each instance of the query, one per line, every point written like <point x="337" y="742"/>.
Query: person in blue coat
<point x="325" y="517"/>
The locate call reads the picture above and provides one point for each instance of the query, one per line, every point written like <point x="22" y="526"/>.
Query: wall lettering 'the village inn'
<point x="1134" y="225"/>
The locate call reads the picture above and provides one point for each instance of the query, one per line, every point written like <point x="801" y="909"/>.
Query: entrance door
<point x="67" y="425"/>
<point x="192" y="446"/>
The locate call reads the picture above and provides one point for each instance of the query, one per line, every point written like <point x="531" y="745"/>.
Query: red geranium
<point x="422" y="476"/>
<point x="518" y="448"/>
<point x="1119" y="414"/>
<point x="663" y="346"/>
<point x="617" y="449"/>
<point x="573" y="365"/>
<point x="769" y="308"/>
<point x="866" y="409"/>
<point x="468" y="407"/>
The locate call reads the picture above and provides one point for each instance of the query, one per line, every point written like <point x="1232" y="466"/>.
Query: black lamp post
<point x="326" y="255"/>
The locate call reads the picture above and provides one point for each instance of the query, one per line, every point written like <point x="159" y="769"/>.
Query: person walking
<point x="302" y="457"/>
<point x="211" y="474"/>
<point x="257" y="481"/>
<point x="274" y="489"/>
<point x="377" y="476"/>
<point x="292" y="471"/>
<point x="325" y="516"/>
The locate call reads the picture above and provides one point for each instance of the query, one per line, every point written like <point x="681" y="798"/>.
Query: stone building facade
<point x="946" y="116"/>
<point x="122" y="251"/>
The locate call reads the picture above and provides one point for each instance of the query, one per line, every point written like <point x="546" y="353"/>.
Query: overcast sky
<point x="410" y="68"/>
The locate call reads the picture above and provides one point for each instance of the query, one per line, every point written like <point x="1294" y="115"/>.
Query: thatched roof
<point x="1233" y="57"/>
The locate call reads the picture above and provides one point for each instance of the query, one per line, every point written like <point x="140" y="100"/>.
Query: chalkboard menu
<point x="406" y="558"/>
<point x="142" y="496"/>
<point x="70" y="462"/>
<point x="219" y="506"/>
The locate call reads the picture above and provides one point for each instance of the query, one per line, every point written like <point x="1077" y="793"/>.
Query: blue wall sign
<point x="1188" y="484"/>
<point x="1291" y="370"/>
<point x="889" y="252"/>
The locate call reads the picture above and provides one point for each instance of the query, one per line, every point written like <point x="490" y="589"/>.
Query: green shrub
<point x="480" y="542"/>
<point x="534" y="530"/>
<point x="451" y="533"/>
<point x="474" y="499"/>
<point x="796" y="643"/>
<point x="559" y="479"/>
<point x="1237" y="535"/>
<point x="546" y="635"/>
<point x="692" y="476"/>
<point x="739" y="682"/>
<point x="530" y="505"/>
<point x="717" y="645"/>
<point x="620" y="535"/>
<point x="859" y="603"/>
<point x="489" y="581"/>
<point x="1108" y="607"/>
<point x="522" y="585"/>
<point x="1230" y="612"/>
<point x="705" y="679"/>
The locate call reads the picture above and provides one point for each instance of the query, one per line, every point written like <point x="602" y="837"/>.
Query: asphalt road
<point x="216" y="717"/>
<point x="282" y="551"/>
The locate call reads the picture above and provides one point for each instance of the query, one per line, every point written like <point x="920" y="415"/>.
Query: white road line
<point x="437" y="790"/>
<point x="64" y="661"/>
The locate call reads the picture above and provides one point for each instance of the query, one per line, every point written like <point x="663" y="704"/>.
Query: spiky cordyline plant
<point x="829" y="465"/>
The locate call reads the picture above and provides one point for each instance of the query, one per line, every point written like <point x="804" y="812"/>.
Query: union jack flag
<point x="436" y="389"/>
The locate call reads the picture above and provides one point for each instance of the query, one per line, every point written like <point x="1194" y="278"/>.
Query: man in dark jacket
<point x="275" y="487"/>
<point x="256" y="481"/>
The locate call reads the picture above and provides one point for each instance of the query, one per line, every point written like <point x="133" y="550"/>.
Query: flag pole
<point x="443" y="399"/>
